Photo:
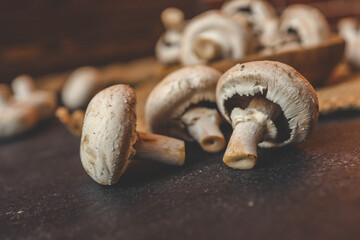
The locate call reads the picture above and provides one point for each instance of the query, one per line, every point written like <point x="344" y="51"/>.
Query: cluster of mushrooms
<point x="239" y="28"/>
<point x="268" y="104"/>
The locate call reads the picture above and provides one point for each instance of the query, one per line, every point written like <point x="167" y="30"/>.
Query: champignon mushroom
<point x="25" y="92"/>
<point x="304" y="25"/>
<point x="257" y="12"/>
<point x="168" y="46"/>
<point x="268" y="103"/>
<point x="109" y="139"/>
<point x="81" y="86"/>
<point x="15" y="117"/>
<point x="349" y="29"/>
<point x="214" y="35"/>
<point x="183" y="105"/>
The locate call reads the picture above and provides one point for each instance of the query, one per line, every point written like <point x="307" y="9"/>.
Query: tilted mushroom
<point x="268" y="104"/>
<point x="15" y="118"/>
<point x="81" y="86"/>
<point x="109" y="139"/>
<point x="349" y="29"/>
<point x="25" y="92"/>
<point x="167" y="48"/>
<point x="303" y="25"/>
<point x="257" y="12"/>
<point x="214" y="35"/>
<point x="183" y="105"/>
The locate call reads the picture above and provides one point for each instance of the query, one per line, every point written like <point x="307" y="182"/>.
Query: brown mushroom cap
<point x="279" y="83"/>
<point x="109" y="134"/>
<point x="176" y="93"/>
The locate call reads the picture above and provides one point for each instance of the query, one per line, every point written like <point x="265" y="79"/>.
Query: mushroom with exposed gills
<point x="25" y="92"/>
<point x="303" y="25"/>
<point x="268" y="104"/>
<point x="214" y="35"/>
<point x="168" y="46"/>
<point x="256" y="12"/>
<point x="109" y="139"/>
<point x="81" y="86"/>
<point x="183" y="105"/>
<point x="15" y="117"/>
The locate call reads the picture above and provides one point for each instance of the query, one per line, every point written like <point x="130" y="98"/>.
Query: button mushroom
<point x="303" y="25"/>
<point x="25" y="92"/>
<point x="349" y="29"/>
<point x="81" y="86"/>
<point x="257" y="12"/>
<point x="168" y="47"/>
<point x="15" y="118"/>
<point x="183" y="105"/>
<point x="214" y="35"/>
<point x="109" y="139"/>
<point x="268" y="103"/>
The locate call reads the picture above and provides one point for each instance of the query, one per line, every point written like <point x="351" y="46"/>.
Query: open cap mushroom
<point x="109" y="139"/>
<point x="304" y="25"/>
<point x="349" y="29"/>
<point x="257" y="12"/>
<point x="44" y="102"/>
<point x="15" y="118"/>
<point x="214" y="35"/>
<point x="183" y="105"/>
<point x="81" y="86"/>
<point x="268" y="104"/>
<point x="168" y="46"/>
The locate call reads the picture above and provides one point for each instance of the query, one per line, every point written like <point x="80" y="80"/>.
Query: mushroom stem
<point x="203" y="125"/>
<point x="206" y="49"/>
<point x="73" y="122"/>
<point x="160" y="148"/>
<point x="251" y="126"/>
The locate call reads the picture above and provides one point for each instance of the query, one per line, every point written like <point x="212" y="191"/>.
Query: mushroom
<point x="256" y="12"/>
<point x="303" y="25"/>
<point x="349" y="29"/>
<point x="214" y="35"/>
<point x="81" y="86"/>
<point x="109" y="139"/>
<point x="15" y="117"/>
<point x="268" y="104"/>
<point x="168" y="46"/>
<point x="183" y="105"/>
<point x="25" y="92"/>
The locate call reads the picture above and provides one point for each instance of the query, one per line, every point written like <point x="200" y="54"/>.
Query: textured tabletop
<point x="309" y="191"/>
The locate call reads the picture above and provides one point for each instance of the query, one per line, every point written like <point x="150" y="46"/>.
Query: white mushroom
<point x="109" y="139"/>
<point x="349" y="29"/>
<point x="168" y="46"/>
<point x="257" y="12"/>
<point x="268" y="103"/>
<point x="214" y="35"/>
<point x="25" y="93"/>
<point x="183" y="105"/>
<point x="303" y="25"/>
<point x="15" y="118"/>
<point x="81" y="86"/>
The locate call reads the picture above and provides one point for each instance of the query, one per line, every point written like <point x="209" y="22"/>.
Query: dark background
<point x="44" y="36"/>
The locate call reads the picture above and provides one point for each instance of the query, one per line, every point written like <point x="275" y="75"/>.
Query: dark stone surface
<point x="309" y="191"/>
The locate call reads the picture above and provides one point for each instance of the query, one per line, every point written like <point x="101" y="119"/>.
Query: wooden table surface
<point x="309" y="191"/>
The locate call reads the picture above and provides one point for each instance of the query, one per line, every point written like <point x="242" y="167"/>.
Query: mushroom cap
<point x="108" y="134"/>
<point x="81" y="86"/>
<point x="349" y="28"/>
<point x="279" y="83"/>
<point x="16" y="118"/>
<point x="309" y="23"/>
<point x="255" y="11"/>
<point x="174" y="94"/>
<point x="231" y="34"/>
